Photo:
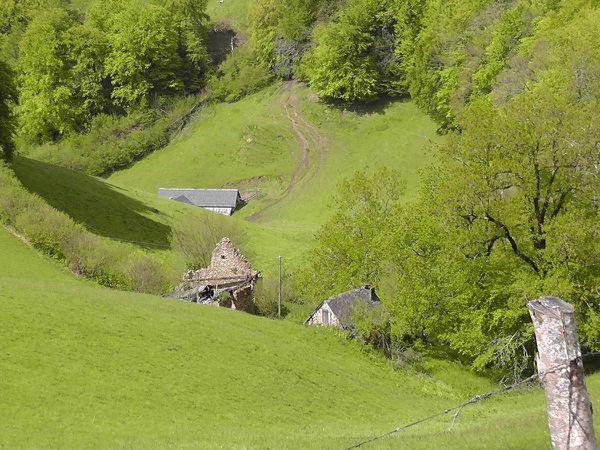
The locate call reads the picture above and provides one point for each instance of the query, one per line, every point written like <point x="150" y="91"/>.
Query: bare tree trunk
<point x="561" y="373"/>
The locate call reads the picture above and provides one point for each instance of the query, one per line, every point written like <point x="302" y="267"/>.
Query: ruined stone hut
<point x="222" y="201"/>
<point x="227" y="281"/>
<point x="336" y="311"/>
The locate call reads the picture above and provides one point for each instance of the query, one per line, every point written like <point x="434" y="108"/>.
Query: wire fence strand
<point x="475" y="399"/>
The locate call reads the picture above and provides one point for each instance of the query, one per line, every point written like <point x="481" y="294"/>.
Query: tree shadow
<point x="97" y="205"/>
<point x="591" y="363"/>
<point x="377" y="105"/>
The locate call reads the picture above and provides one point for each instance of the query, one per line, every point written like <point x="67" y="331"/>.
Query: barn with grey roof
<point x="223" y="201"/>
<point x="337" y="310"/>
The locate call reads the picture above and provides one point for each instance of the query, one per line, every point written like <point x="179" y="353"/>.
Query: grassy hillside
<point x="280" y="142"/>
<point x="88" y="367"/>
<point x="231" y="12"/>
<point x="291" y="148"/>
<point x="141" y="218"/>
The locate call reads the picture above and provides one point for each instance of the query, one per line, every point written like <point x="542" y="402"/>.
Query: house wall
<point x="224" y="211"/>
<point x="317" y="317"/>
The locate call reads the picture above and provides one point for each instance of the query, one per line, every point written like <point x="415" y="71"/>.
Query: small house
<point x="222" y="201"/>
<point x="336" y="311"/>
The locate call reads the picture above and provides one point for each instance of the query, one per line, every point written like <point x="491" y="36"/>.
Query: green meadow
<point x="257" y="144"/>
<point x="88" y="367"/>
<point x="83" y="366"/>
<point x="231" y="12"/>
<point x="253" y="145"/>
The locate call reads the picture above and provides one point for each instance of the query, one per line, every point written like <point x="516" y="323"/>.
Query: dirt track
<point x="310" y="140"/>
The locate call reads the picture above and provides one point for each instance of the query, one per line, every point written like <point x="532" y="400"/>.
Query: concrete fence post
<point x="561" y="374"/>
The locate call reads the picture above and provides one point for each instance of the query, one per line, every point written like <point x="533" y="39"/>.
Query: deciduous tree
<point x="8" y="96"/>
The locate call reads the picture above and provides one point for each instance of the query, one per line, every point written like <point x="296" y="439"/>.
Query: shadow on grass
<point x="377" y="105"/>
<point x="97" y="205"/>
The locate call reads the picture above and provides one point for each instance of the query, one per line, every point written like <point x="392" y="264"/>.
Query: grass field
<point x="280" y="142"/>
<point x="293" y="149"/>
<point x="231" y="12"/>
<point x="87" y="367"/>
<point x="255" y="144"/>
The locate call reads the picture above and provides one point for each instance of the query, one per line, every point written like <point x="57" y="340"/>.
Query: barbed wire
<point x="475" y="399"/>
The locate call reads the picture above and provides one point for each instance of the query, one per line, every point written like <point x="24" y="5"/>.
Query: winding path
<point x="308" y="138"/>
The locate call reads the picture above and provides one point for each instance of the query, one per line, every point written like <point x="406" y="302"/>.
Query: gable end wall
<point x="317" y="317"/>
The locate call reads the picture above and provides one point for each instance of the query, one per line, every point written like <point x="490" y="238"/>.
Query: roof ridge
<point x="196" y="189"/>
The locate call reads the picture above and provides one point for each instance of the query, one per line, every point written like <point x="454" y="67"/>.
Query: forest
<point x="509" y="210"/>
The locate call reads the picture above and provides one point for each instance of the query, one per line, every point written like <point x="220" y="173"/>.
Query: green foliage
<point x="443" y="53"/>
<point x="352" y="245"/>
<point x="372" y="325"/>
<point x="507" y="34"/>
<point x="143" y="57"/>
<point x="279" y="33"/>
<point x="353" y="57"/>
<point x="16" y="13"/>
<point x="508" y="213"/>
<point x="46" y="95"/>
<point x="266" y="295"/>
<point x="114" y="142"/>
<point x="8" y="96"/>
<point x="196" y="239"/>
<point x="238" y="76"/>
<point x="116" y="58"/>
<point x="507" y="216"/>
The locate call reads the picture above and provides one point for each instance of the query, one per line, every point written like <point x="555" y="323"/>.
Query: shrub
<point x="195" y="238"/>
<point x="57" y="235"/>
<point x="238" y="76"/>
<point x="145" y="274"/>
<point x="407" y="359"/>
<point x="372" y="326"/>
<point x="266" y="296"/>
<point x="115" y="142"/>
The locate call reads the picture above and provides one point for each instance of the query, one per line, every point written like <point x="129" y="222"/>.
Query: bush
<point x="195" y="238"/>
<point x="372" y="326"/>
<point x="57" y="235"/>
<point x="145" y="274"/>
<point x="407" y="359"/>
<point x="238" y="76"/>
<point x="115" y="142"/>
<point x="266" y="296"/>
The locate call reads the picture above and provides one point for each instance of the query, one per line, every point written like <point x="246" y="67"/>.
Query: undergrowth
<point x="55" y="234"/>
<point x="115" y="142"/>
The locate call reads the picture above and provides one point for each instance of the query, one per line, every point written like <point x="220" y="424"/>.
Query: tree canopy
<point x="117" y="57"/>
<point x="8" y="95"/>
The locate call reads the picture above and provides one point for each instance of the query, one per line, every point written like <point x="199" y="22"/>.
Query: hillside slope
<point x="280" y="143"/>
<point x="88" y="367"/>
<point x="291" y="148"/>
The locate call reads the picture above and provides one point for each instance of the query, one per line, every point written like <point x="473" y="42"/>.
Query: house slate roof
<point x="343" y="304"/>
<point x="206" y="198"/>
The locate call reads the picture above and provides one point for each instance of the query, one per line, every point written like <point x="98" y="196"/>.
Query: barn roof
<point x="206" y="198"/>
<point x="343" y="304"/>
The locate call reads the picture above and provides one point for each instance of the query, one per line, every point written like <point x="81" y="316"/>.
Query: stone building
<point x="336" y="311"/>
<point x="227" y="281"/>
